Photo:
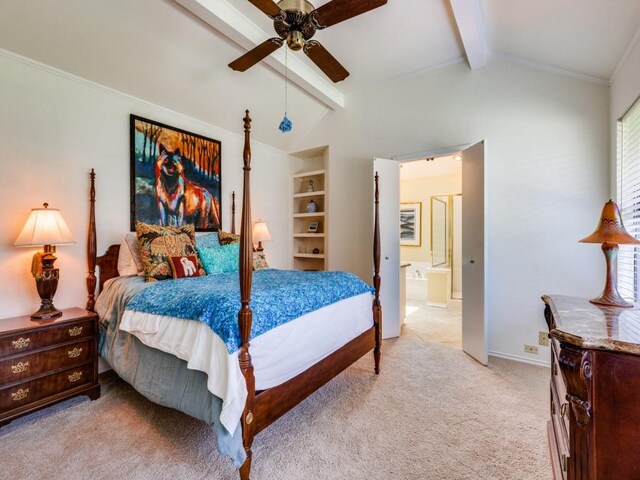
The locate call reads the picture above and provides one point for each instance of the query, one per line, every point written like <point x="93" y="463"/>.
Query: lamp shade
<point x="261" y="232"/>
<point x="610" y="229"/>
<point x="45" y="226"/>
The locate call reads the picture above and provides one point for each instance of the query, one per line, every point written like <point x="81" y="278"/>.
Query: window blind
<point x="628" y="180"/>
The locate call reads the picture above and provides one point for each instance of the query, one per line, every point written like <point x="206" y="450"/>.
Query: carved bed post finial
<point x="91" y="245"/>
<point x="233" y="212"/>
<point x="377" y="308"/>
<point x="245" y="315"/>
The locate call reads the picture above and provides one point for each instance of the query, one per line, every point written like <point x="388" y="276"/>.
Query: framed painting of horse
<point x="175" y="176"/>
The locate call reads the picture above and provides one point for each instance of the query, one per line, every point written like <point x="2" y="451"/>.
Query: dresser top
<point x="581" y="323"/>
<point x="8" y="325"/>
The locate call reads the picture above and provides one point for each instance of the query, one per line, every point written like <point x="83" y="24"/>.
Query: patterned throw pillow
<point x="222" y="259"/>
<point x="158" y="243"/>
<point x="184" y="266"/>
<point x="259" y="261"/>
<point x="209" y="240"/>
<point x="227" y="238"/>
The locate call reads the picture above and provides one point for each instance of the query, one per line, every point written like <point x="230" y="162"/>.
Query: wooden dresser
<point x="594" y="431"/>
<point x="44" y="362"/>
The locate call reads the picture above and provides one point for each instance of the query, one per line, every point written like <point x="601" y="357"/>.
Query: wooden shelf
<point x="309" y="194"/>
<point x="314" y="173"/>
<point x="308" y="235"/>
<point x="307" y="215"/>
<point x="319" y="256"/>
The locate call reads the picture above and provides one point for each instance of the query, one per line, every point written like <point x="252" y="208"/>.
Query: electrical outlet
<point x="531" y="349"/>
<point x="543" y="339"/>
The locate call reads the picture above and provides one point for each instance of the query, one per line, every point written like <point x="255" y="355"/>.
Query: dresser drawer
<point x="33" y="390"/>
<point x="24" y="366"/>
<point x="560" y="433"/>
<point x="27" y="341"/>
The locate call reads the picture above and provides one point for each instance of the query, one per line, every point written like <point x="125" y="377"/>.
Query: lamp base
<point x="610" y="296"/>
<point x="611" y="301"/>
<point x="46" y="277"/>
<point x="45" y="312"/>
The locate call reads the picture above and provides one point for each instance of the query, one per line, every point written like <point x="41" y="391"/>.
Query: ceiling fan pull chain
<point x="285" y="124"/>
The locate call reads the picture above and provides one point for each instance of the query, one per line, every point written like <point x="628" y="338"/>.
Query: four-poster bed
<point x="262" y="407"/>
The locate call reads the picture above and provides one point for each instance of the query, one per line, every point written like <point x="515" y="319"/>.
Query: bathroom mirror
<point x="439" y="231"/>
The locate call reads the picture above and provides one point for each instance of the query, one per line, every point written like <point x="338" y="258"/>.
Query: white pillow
<point x="126" y="265"/>
<point x="129" y="262"/>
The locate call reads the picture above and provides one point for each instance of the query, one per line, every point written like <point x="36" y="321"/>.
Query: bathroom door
<point x="389" y="171"/>
<point x="474" y="305"/>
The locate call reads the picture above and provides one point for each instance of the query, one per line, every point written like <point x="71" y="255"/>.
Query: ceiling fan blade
<point x="325" y="61"/>
<point x="268" y="7"/>
<point x="338" y="11"/>
<point x="252" y="57"/>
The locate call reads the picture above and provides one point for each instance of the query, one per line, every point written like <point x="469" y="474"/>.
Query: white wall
<point x="625" y="90"/>
<point x="54" y="128"/>
<point x="547" y="139"/>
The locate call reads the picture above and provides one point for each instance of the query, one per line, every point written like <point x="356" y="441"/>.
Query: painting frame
<point x="411" y="224"/>
<point x="200" y="177"/>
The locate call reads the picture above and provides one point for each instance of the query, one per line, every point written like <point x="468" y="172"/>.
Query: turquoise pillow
<point x="207" y="241"/>
<point x="222" y="259"/>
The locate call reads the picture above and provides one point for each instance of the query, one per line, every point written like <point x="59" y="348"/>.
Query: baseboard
<point x="518" y="358"/>
<point x="456" y="295"/>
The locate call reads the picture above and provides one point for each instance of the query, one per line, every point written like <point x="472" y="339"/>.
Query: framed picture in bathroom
<point x="411" y="224"/>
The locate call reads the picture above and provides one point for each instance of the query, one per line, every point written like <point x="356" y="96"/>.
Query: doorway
<point x="430" y="248"/>
<point x="472" y="252"/>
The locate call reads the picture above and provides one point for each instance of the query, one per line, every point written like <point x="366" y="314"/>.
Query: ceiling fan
<point x="296" y="22"/>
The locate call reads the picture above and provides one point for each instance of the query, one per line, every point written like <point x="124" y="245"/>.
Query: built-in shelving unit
<point x="309" y="186"/>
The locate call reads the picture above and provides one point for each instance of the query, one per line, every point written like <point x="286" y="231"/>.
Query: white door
<point x="389" y="171"/>
<point x="474" y="322"/>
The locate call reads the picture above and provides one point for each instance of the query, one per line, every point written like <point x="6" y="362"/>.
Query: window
<point x="628" y="181"/>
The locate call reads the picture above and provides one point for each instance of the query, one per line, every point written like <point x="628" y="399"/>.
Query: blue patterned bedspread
<point x="277" y="297"/>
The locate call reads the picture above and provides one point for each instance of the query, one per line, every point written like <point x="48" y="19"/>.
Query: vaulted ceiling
<point x="175" y="52"/>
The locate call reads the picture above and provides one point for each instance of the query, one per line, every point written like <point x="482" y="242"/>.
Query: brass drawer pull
<point x="564" y="462"/>
<point x="20" y="343"/>
<point x="20" y="394"/>
<point x="74" y="377"/>
<point x="563" y="409"/>
<point x="76" y="352"/>
<point x="19" y="367"/>
<point x="75" y="331"/>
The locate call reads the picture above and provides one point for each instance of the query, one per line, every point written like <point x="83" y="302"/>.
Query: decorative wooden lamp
<point x="610" y="233"/>
<point x="261" y="234"/>
<point x="45" y="226"/>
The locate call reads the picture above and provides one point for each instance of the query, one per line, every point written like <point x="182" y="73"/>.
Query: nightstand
<point x="46" y="361"/>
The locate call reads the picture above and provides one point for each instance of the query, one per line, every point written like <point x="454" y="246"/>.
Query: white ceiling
<point x="432" y="168"/>
<point x="161" y="52"/>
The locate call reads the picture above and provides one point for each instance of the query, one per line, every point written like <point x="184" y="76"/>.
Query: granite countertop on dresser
<point x="581" y="323"/>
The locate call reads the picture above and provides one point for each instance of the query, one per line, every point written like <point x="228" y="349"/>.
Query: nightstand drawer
<point x="24" y="366"/>
<point x="32" y="340"/>
<point x="33" y="390"/>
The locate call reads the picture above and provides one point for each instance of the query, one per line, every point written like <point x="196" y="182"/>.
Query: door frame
<point x="441" y="152"/>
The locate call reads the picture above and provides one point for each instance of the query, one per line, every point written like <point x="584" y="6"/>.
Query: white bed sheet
<point x="277" y="355"/>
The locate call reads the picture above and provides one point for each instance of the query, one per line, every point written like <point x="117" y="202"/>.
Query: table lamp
<point x="610" y="233"/>
<point x="45" y="227"/>
<point x="261" y="234"/>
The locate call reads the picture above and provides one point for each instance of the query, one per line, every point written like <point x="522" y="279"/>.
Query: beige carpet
<point x="433" y="413"/>
<point x="435" y="324"/>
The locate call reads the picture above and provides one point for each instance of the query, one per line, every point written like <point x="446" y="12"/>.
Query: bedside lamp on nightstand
<point x="261" y="234"/>
<point x="45" y="227"/>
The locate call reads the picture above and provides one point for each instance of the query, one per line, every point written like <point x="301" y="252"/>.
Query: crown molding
<point x="625" y="55"/>
<point x="43" y="67"/>
<point x="543" y="66"/>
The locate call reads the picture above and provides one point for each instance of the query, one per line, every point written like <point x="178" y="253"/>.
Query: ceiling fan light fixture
<point x="295" y="40"/>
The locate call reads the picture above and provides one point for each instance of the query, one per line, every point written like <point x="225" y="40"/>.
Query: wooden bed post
<point x="233" y="212"/>
<point x="377" y="308"/>
<point x="91" y="245"/>
<point x="245" y="315"/>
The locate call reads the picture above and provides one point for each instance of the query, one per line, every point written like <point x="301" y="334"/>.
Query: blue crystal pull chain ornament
<point x="285" y="124"/>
